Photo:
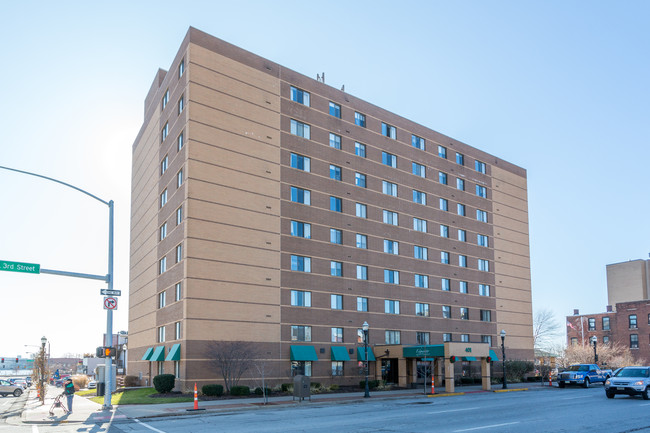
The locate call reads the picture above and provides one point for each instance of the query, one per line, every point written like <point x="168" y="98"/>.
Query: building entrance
<point x="389" y="372"/>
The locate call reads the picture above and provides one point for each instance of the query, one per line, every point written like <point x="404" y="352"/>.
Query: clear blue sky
<point x="559" y="88"/>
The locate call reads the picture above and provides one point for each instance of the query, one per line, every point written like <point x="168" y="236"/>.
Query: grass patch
<point x="140" y="396"/>
<point x="86" y="392"/>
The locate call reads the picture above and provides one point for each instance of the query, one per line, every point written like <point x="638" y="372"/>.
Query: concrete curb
<point x="510" y="390"/>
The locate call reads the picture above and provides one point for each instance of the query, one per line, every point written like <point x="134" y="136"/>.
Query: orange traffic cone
<point x="196" y="400"/>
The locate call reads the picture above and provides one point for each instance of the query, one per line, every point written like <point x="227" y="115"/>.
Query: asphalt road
<point x="548" y="410"/>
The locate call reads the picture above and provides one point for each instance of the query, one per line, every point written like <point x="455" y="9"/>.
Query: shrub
<point x="212" y="390"/>
<point x="316" y="385"/>
<point x="287" y="387"/>
<point x="79" y="382"/>
<point x="372" y="384"/>
<point x="516" y="370"/>
<point x="260" y="391"/>
<point x="240" y="390"/>
<point x="335" y="387"/>
<point x="164" y="383"/>
<point x="130" y="381"/>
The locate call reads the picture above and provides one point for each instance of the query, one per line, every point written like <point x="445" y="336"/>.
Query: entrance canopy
<point x="466" y="351"/>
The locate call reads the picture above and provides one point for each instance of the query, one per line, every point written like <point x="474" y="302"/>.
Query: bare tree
<point x="545" y="328"/>
<point x="232" y="359"/>
<point x="613" y="356"/>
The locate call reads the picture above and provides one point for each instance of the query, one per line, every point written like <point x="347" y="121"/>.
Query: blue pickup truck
<point x="582" y="374"/>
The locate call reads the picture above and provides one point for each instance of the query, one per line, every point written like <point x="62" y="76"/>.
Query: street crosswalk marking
<point x="148" y="426"/>
<point x="487" y="426"/>
<point x="34" y="429"/>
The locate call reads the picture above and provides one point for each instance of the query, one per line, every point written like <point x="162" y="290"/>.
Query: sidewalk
<point x="89" y="412"/>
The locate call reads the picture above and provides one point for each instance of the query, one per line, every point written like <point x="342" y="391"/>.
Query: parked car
<point x="21" y="382"/>
<point x="28" y="380"/>
<point x="7" y="388"/>
<point x="92" y="384"/>
<point x="630" y="381"/>
<point x="582" y="374"/>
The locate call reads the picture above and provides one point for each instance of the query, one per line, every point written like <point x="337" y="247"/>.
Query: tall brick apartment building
<point x="271" y="208"/>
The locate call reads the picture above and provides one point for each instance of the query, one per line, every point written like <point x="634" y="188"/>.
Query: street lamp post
<point x="365" y="328"/>
<point x="503" y="354"/>
<point x="594" y="340"/>
<point x="42" y="378"/>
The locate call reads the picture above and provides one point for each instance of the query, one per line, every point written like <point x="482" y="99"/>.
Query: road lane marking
<point x="34" y="429"/>
<point x="487" y="426"/>
<point x="148" y="426"/>
<point x="452" y="410"/>
<point x="574" y="398"/>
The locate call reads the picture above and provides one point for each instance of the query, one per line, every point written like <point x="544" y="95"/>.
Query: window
<point x="181" y="104"/>
<point x="177" y="331"/>
<point x="300" y="129"/>
<point x="462" y="287"/>
<point x="300" y="333"/>
<point x="300" y="162"/>
<point x="179" y="215"/>
<point x="422" y="338"/>
<point x="300" y="263"/>
<point x="591" y="324"/>
<point x="336" y="302"/>
<point x="445" y="284"/>
<point x="361" y="210"/>
<point x="181" y="70"/>
<point x="177" y="292"/>
<point x="574" y="341"/>
<point x="362" y="241"/>
<point x="337" y="368"/>
<point x="335" y="141"/>
<point x="419" y="225"/>
<point x="444" y="231"/>
<point x="422" y="281"/>
<point x="388" y="131"/>
<point x="481" y="215"/>
<point x="301" y="367"/>
<point x="335" y="172"/>
<point x="418" y="169"/>
<point x="606" y="323"/>
<point x="446" y="312"/>
<point x="442" y="178"/>
<point x="390" y="217"/>
<point x="389" y="188"/>
<point x="482" y="241"/>
<point x="335" y="110"/>
<point x="162" y="265"/>
<point x="360" y="180"/>
<point x="446" y="337"/>
<point x="180" y="142"/>
<point x="605" y="339"/>
<point x="161" y="334"/>
<point x="460" y="184"/>
<point x="389" y="159"/>
<point x="421" y="309"/>
<point x="481" y="191"/>
<point x="336" y="236"/>
<point x="362" y="304"/>
<point x="462" y="261"/>
<point x="164" y="164"/>
<point x="462" y="235"/>
<point x="359" y="149"/>
<point x="460" y="209"/>
<point x="391" y="277"/>
<point x="300" y="229"/>
<point x="359" y="119"/>
<point x="442" y="152"/>
<point x="486" y="316"/>
<point x="419" y="197"/>
<point x="391" y="247"/>
<point x="464" y="338"/>
<point x="336" y="204"/>
<point x="164" y="132"/>
<point x="165" y="99"/>
<point x="444" y="204"/>
<point x="486" y="339"/>
<point x="162" y="299"/>
<point x="464" y="313"/>
<point x="362" y="272"/>
<point x="299" y="195"/>
<point x="483" y="265"/>
<point x="392" y="337"/>
<point x="634" y="341"/>
<point x="632" y="321"/>
<point x="163" y="198"/>
<point x="420" y="253"/>
<point x="460" y="159"/>
<point x="179" y="253"/>
<point x="179" y="178"/>
<point x="163" y="231"/>
<point x="444" y="257"/>
<point x="479" y="166"/>
<point x="336" y="269"/>
<point x="391" y="307"/>
<point x="300" y="298"/>
<point x="417" y="142"/>
<point x="299" y="96"/>
<point x="484" y="290"/>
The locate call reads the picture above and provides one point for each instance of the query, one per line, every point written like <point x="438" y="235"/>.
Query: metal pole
<point x="365" y="344"/>
<point x="503" y="353"/>
<point x="42" y="388"/>
<point x="595" y="353"/>
<point x="109" y="313"/>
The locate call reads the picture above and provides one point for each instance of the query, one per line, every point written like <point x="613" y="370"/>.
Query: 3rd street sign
<point x="107" y="292"/>
<point x="30" y="268"/>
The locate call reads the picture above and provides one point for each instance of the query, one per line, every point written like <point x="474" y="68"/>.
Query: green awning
<point x="428" y="351"/>
<point x="340" y="353"/>
<point x="174" y="353"/>
<point x="361" y="354"/>
<point x="493" y="355"/>
<point x="147" y="354"/>
<point x="469" y="358"/>
<point x="158" y="354"/>
<point x="303" y="353"/>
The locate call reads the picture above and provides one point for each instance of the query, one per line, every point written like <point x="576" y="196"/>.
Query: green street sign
<point x="29" y="268"/>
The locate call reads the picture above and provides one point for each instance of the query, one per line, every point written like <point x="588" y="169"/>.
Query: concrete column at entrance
<point x="486" y="374"/>
<point x="377" y="369"/>
<point x="449" y="376"/>
<point x="439" y="368"/>
<point x="401" y="371"/>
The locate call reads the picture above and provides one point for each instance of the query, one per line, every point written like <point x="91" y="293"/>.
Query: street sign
<point x="29" y="268"/>
<point x="107" y="292"/>
<point x="110" y="303"/>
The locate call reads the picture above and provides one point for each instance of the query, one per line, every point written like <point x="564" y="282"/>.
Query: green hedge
<point x="372" y="384"/>
<point x="286" y="387"/>
<point x="212" y="390"/>
<point x="260" y="391"/>
<point x="240" y="390"/>
<point x="164" y="383"/>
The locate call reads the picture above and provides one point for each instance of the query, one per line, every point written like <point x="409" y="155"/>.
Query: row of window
<point x="177" y="332"/>
<point x="303" y="97"/>
<point x="162" y="263"/>
<point x="634" y="340"/>
<point x="631" y="320"/>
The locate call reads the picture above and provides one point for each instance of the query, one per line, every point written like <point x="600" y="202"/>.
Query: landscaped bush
<point x="130" y="381"/>
<point x="164" y="383"/>
<point x="335" y="387"/>
<point x="516" y="370"/>
<point x="260" y="391"/>
<point x="240" y="390"/>
<point x="212" y="390"/>
<point x="287" y="387"/>
<point x="316" y="385"/>
<point x="80" y="382"/>
<point x="372" y="384"/>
